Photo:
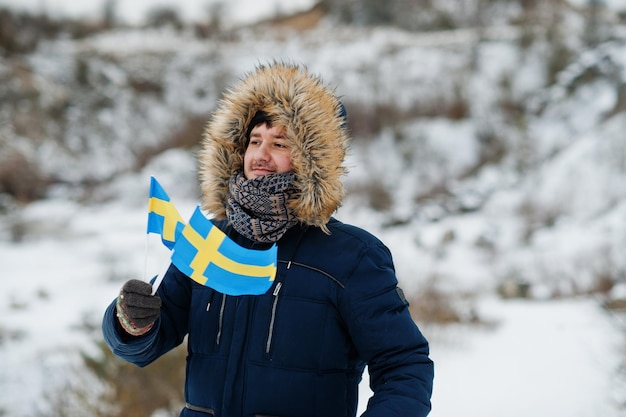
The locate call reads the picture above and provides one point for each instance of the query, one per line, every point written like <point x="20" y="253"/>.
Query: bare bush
<point x="160" y="16"/>
<point x="188" y="136"/>
<point x="106" y="386"/>
<point x="375" y="194"/>
<point x="21" y="178"/>
<point x="366" y="120"/>
<point x="433" y="305"/>
<point x="21" y="32"/>
<point x="537" y="217"/>
<point x="493" y="149"/>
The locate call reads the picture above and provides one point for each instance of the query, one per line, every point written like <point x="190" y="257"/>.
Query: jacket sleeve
<point x="387" y="338"/>
<point x="168" y="331"/>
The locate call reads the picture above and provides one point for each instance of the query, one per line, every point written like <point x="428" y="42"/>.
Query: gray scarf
<point x="258" y="208"/>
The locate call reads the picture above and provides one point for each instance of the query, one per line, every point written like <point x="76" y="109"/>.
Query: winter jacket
<point x="300" y="349"/>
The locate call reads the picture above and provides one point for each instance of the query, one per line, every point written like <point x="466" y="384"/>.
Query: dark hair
<point x="259" y="118"/>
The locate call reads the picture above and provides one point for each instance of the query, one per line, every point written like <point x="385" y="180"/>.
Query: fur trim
<point x="312" y="116"/>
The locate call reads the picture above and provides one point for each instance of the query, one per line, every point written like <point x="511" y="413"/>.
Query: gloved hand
<point x="137" y="308"/>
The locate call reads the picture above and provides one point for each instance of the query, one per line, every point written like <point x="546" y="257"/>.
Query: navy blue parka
<point x="300" y="349"/>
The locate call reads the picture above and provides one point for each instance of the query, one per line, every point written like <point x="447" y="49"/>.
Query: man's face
<point x="268" y="152"/>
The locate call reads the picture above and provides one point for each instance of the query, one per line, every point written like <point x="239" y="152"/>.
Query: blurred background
<point x="488" y="153"/>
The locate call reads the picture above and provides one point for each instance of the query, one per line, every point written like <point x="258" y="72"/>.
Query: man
<point x="270" y="170"/>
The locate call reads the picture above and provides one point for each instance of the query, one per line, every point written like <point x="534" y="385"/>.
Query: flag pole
<point x="145" y="257"/>
<point x="158" y="279"/>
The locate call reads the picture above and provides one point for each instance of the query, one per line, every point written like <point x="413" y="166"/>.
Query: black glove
<point x="137" y="308"/>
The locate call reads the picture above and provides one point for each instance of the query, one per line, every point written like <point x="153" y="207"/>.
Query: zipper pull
<point x="279" y="285"/>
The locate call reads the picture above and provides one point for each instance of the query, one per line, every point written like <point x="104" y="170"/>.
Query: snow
<point x="557" y="354"/>
<point x="134" y="12"/>
<point x="552" y="358"/>
<point x="541" y="358"/>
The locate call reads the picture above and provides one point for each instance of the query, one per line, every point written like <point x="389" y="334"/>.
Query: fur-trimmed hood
<point x="314" y="119"/>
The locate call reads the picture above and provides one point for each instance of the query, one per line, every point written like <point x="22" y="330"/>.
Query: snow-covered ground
<point x="542" y="358"/>
<point x="558" y="358"/>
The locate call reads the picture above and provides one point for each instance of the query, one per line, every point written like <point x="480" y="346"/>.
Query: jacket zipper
<point x="312" y="268"/>
<point x="270" y="335"/>
<point x="220" y="321"/>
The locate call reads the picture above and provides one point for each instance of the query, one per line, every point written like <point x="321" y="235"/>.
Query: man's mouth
<point x="262" y="169"/>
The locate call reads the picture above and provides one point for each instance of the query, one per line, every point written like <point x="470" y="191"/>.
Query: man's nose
<point x="262" y="152"/>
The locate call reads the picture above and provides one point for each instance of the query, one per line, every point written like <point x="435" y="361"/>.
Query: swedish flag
<point x="163" y="217"/>
<point x="205" y="254"/>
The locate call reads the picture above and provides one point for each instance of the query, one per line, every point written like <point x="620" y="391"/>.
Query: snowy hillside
<point x="492" y="162"/>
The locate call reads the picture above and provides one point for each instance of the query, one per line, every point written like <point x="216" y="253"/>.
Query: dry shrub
<point x="188" y="136"/>
<point x="368" y="119"/>
<point x="433" y="305"/>
<point x="375" y="194"/>
<point x="514" y="288"/>
<point x="537" y="217"/>
<point x="307" y="19"/>
<point x="21" y="32"/>
<point x="160" y="16"/>
<point x="144" y="86"/>
<point x="107" y="386"/>
<point x="140" y="391"/>
<point x="21" y="178"/>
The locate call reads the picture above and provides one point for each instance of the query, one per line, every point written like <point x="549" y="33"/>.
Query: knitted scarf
<point x="258" y="209"/>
